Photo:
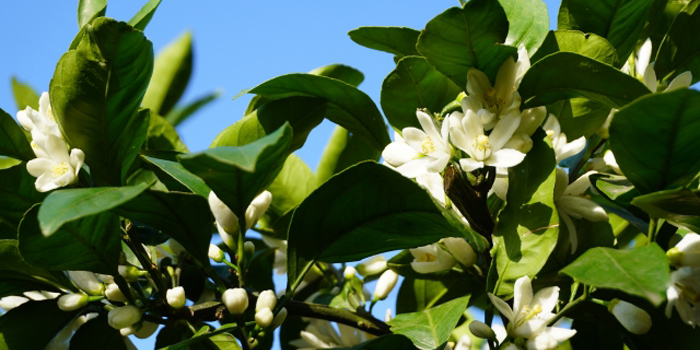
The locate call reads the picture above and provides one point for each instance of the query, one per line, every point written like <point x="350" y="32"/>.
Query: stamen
<point x="59" y="169"/>
<point x="428" y="146"/>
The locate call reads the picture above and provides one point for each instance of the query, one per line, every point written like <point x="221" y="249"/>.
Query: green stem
<point x="569" y="307"/>
<point x="240" y="321"/>
<point x="134" y="243"/>
<point x="651" y="236"/>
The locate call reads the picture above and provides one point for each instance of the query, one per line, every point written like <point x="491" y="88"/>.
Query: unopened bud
<point x="520" y="142"/>
<point x="350" y="272"/>
<point x="372" y="266"/>
<point x="266" y="299"/>
<point x="249" y="248"/>
<point x="257" y="208"/>
<point x="460" y="250"/>
<point x="235" y="300"/>
<point x="124" y="316"/>
<point x="215" y="253"/>
<point x="223" y="215"/>
<point x="176" y="297"/>
<point x="481" y="330"/>
<point x="530" y="120"/>
<point x="113" y="293"/>
<point x="130" y="273"/>
<point x="385" y="284"/>
<point x="87" y="281"/>
<point x="264" y="317"/>
<point x="73" y="301"/>
<point x="632" y="317"/>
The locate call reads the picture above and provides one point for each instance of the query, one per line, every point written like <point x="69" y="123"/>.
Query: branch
<point x="470" y="200"/>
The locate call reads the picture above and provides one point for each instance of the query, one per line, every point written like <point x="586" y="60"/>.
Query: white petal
<point x="471" y="125"/>
<point x="415" y="138"/>
<point x="77" y="157"/>
<point x="57" y="149"/>
<point x="571" y="148"/>
<point x="38" y="166"/>
<point x="560" y="334"/>
<point x="505" y="80"/>
<point x="579" y="186"/>
<point x="477" y="83"/>
<point x="579" y="207"/>
<point x="437" y="165"/>
<point x="470" y="164"/>
<point x="503" y="131"/>
<point x="428" y="125"/>
<point x="44" y="103"/>
<point x="45" y="183"/>
<point x="546" y="298"/>
<point x="505" y="158"/>
<point x="552" y="124"/>
<point x="522" y="294"/>
<point x="643" y="57"/>
<point x="398" y="153"/>
<point x="461" y="140"/>
<point x="502" y="307"/>
<point x="681" y="81"/>
<point x="649" y="78"/>
<point x="415" y="167"/>
<point x="529" y="328"/>
<point x="573" y="236"/>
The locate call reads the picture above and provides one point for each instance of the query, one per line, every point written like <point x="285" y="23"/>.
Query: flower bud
<point x="130" y="273"/>
<point x="113" y="293"/>
<point x="686" y="252"/>
<point x="460" y="250"/>
<point x="481" y="330"/>
<point x="223" y="215"/>
<point x="385" y="284"/>
<point x="73" y="301"/>
<point x="147" y="329"/>
<point x="464" y="343"/>
<point x="124" y="316"/>
<point x="266" y="299"/>
<point x="633" y="318"/>
<point x="176" y="297"/>
<point x="264" y="317"/>
<point x="236" y="300"/>
<point x="530" y="120"/>
<point x="249" y="248"/>
<point x="257" y="208"/>
<point x="215" y="253"/>
<point x="349" y="272"/>
<point x="279" y="318"/>
<point x="372" y="266"/>
<point x="87" y="281"/>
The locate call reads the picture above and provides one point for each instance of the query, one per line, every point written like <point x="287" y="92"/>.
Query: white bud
<point x="113" y="293"/>
<point x="87" y="281"/>
<point x="460" y="250"/>
<point x="385" y="284"/>
<point x="481" y="330"/>
<point x="450" y="345"/>
<point x="350" y="272"/>
<point x="223" y="215"/>
<point x="264" y="317"/>
<point x="229" y="240"/>
<point x="257" y="208"/>
<point x="176" y="297"/>
<point x="464" y="343"/>
<point x="279" y="318"/>
<point x="147" y="329"/>
<point x="372" y="266"/>
<point x="266" y="299"/>
<point x="632" y="317"/>
<point x="387" y="315"/>
<point x="236" y="300"/>
<point x="124" y="316"/>
<point x="520" y="142"/>
<point x="215" y="253"/>
<point x="127" y="331"/>
<point x="73" y="301"/>
<point x="12" y="301"/>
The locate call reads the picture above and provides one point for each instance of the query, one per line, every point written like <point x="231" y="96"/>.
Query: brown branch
<point x="470" y="200"/>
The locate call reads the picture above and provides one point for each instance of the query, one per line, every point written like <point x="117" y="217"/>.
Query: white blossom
<point x="570" y="202"/>
<point x="682" y="293"/>
<point x="434" y="183"/>
<point x="431" y="258"/>
<point x="464" y="343"/>
<point x="632" y="317"/>
<point x="372" y="266"/>
<point x="235" y="300"/>
<point x="460" y="250"/>
<point x="58" y="168"/>
<point x="686" y="252"/>
<point x="266" y="299"/>
<point x="257" y="208"/>
<point x="124" y="316"/>
<point x="644" y="70"/>
<point x="321" y="334"/>
<point x="562" y="148"/>
<point x="113" y="293"/>
<point x="492" y="103"/>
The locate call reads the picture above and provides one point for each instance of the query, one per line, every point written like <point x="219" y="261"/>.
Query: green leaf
<point x="171" y="74"/>
<point x="680" y="206"/>
<point x="97" y="334"/>
<point x="428" y="329"/>
<point x="342" y="151"/>
<point x="586" y="44"/>
<point x="141" y="18"/>
<point x="292" y="185"/>
<point x="179" y="114"/>
<point x="183" y="216"/>
<point x="643" y="271"/>
<point x="18" y="194"/>
<point x="401" y="41"/>
<point x="412" y="85"/>
<point x="347" y="106"/>
<point x="163" y="136"/>
<point x="13" y="265"/>
<point x="25" y="96"/>
<point x="655" y="140"/>
<point x="528" y="23"/>
<point x="18" y="327"/>
<point x="365" y="210"/>
<point x="180" y="174"/>
<point x="63" y="206"/>
<point x="462" y="38"/>
<point x="89" y="10"/>
<point x="96" y="92"/>
<point x="579" y="116"/>
<point x="418" y="294"/>
<point x="680" y="50"/>
<point x="88" y="244"/>
<point x="302" y="113"/>
<point x="620" y="21"/>
<point x="565" y="75"/>
<point x="528" y="227"/>
<point x="342" y="72"/>
<point x="13" y="143"/>
<point x="238" y="174"/>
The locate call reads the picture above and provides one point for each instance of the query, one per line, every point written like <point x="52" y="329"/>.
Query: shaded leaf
<point x="680" y="50"/>
<point x="18" y="194"/>
<point x="13" y="266"/>
<point x="171" y="74"/>
<point x="18" y="327"/>
<point x="163" y="136"/>
<point x="401" y="41"/>
<point x="680" y="207"/>
<point x="13" y="143"/>
<point x="97" y="334"/>
<point x="342" y="151"/>
<point x="428" y="329"/>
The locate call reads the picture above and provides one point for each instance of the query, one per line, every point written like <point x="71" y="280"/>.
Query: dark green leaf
<point x="527" y="227"/>
<point x="179" y="173"/>
<point x="97" y="334"/>
<point x="12" y="265"/>
<point x="347" y="106"/>
<point x="292" y="185"/>
<point x="412" y="85"/>
<point x="163" y="136"/>
<point x="141" y="18"/>
<point x="238" y="174"/>
<point x="63" y="206"/>
<point x="88" y="244"/>
<point x="342" y="151"/>
<point x="342" y="72"/>
<point x="586" y="44"/>
<point x="171" y="74"/>
<point x="681" y="206"/>
<point x="421" y="294"/>
<point x="400" y="41"/>
<point x="25" y="96"/>
<point x="565" y="75"/>
<point x="462" y="38"/>
<point x="89" y="10"/>
<point x="655" y="140"/>
<point x="680" y="50"/>
<point x="579" y="116"/>
<point x="179" y="114"/>
<point x="642" y="271"/>
<point x="528" y="23"/>
<point x="13" y="143"/>
<point x="96" y="92"/>
<point x="18" y="194"/>
<point x="18" y="327"/>
<point x="428" y="329"/>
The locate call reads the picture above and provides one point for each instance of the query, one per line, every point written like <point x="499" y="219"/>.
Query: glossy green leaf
<point x="680" y="50"/>
<point x="365" y="210"/>
<point x="7" y="162"/>
<point x="143" y="17"/>
<point x="18" y="194"/>
<point x="643" y="271"/>
<point x="620" y="21"/>
<point x="25" y="96"/>
<point x="180" y="174"/>
<point x="462" y="38"/>
<point x="415" y="84"/>
<point x="586" y="44"/>
<point x="420" y="294"/>
<point x="171" y="74"/>
<point x="347" y="106"/>
<point x="238" y="174"/>
<point x="163" y="136"/>
<point x="88" y="244"/>
<point x="13" y="266"/>
<point x="528" y="23"/>
<point x="528" y="226"/>
<point x="89" y="10"/>
<point x="401" y="41"/>
<point x="96" y="92"/>
<point x="342" y="151"/>
<point x="292" y="185"/>
<point x="655" y="140"/>
<point x="63" y="206"/>
<point x="342" y="72"/>
<point x="429" y="329"/>
<point x="180" y="113"/>
<point x="565" y="75"/>
<point x="97" y="334"/>
<point x="680" y="206"/>
<point x="579" y="116"/>
<point x="18" y="327"/>
<point x="13" y="143"/>
<point x="183" y="216"/>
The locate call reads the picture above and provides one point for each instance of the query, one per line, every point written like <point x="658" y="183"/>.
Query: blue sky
<point x="238" y="44"/>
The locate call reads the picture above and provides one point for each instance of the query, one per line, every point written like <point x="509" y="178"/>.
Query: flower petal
<point x="399" y="153"/>
<point x="681" y="81"/>
<point x="428" y="125"/>
<point x="470" y="164"/>
<point x="643" y="57"/>
<point x="522" y="294"/>
<point x="478" y="83"/>
<point x="503" y="131"/>
<point x="415" y="167"/>
<point x="415" y="138"/>
<point x="38" y="166"/>
<point x="502" y="307"/>
<point x="579" y="207"/>
<point x="571" y="148"/>
<point x="546" y="298"/>
<point x="560" y="334"/>
<point x="505" y="158"/>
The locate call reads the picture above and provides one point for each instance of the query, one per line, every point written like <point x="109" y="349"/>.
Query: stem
<point x="470" y="200"/>
<point x="570" y="306"/>
<point x="362" y="322"/>
<point x="135" y="245"/>
<point x="653" y="223"/>
<point x="240" y="321"/>
<point x="240" y="252"/>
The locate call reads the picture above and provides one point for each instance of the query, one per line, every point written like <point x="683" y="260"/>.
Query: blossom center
<point x="482" y="147"/>
<point x="426" y="257"/>
<point x="530" y="313"/>
<point x="428" y="146"/>
<point x="59" y="169"/>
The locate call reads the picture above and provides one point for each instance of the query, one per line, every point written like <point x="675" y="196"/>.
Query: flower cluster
<point x="685" y="280"/>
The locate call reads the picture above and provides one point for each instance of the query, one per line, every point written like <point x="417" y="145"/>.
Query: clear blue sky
<point x="238" y="44"/>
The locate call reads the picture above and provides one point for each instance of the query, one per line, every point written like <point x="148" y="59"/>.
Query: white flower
<point x="646" y="72"/>
<point x="58" y="168"/>
<point x="682" y="293"/>
<point x="562" y="148"/>
<point x="419" y="151"/>
<point x="609" y="159"/>
<point x="431" y="258"/>
<point x="372" y="266"/>
<point x="40" y="124"/>
<point x="320" y="334"/>
<point x="113" y="293"/>
<point x="491" y="103"/>
<point x="87" y="281"/>
<point x="176" y="297"/>
<point x="570" y="202"/>
<point x="531" y="314"/>
<point x="12" y="301"/>
<point x="385" y="284"/>
<point x="280" y="246"/>
<point x="236" y="300"/>
<point x="464" y="343"/>
<point x="633" y="318"/>
<point x="460" y="250"/>
<point x="686" y="252"/>
<point x="434" y="183"/>
<point x="467" y="134"/>
<point x="264" y="317"/>
<point x="215" y="253"/>
<point x="124" y="316"/>
<point x="72" y="301"/>
<point x="266" y="299"/>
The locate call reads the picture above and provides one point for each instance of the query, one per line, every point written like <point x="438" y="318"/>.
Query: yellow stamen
<point x="482" y="142"/>
<point x="59" y="169"/>
<point x="531" y="313"/>
<point x="427" y="258"/>
<point x="428" y="146"/>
